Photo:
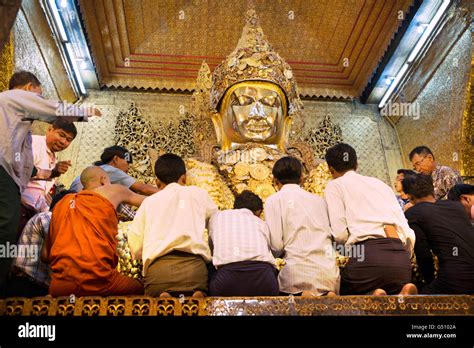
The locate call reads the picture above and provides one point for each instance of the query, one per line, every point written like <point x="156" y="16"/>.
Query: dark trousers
<point x="9" y="220"/>
<point x="385" y="265"/>
<point x="246" y="278"/>
<point x="26" y="213"/>
<point x="453" y="279"/>
<point x="22" y="286"/>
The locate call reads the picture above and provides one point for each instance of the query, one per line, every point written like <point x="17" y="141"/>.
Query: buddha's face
<point x="253" y="111"/>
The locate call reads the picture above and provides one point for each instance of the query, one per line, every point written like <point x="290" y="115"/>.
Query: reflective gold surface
<point x="253" y="91"/>
<point x="6" y="64"/>
<point x="467" y="137"/>
<point x="252" y="111"/>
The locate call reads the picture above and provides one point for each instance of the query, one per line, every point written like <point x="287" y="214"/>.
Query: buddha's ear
<point x="285" y="133"/>
<point x="218" y="128"/>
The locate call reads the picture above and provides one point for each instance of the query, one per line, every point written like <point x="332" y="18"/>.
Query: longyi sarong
<point x="176" y="273"/>
<point x="245" y="278"/>
<point x="385" y="265"/>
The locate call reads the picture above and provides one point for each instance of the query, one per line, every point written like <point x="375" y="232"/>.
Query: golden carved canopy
<point x="333" y="46"/>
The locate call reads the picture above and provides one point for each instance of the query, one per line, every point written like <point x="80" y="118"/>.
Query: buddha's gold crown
<point x="254" y="59"/>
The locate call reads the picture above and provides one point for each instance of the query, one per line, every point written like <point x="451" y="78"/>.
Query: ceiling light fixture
<point x="428" y="29"/>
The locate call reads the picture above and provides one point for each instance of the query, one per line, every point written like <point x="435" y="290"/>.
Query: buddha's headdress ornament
<point x="255" y="59"/>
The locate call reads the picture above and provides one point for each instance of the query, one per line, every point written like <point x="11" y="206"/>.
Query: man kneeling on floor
<point x="241" y="251"/>
<point x="81" y="246"/>
<point x="168" y="233"/>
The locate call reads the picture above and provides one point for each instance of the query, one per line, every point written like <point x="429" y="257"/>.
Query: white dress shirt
<point x="35" y="194"/>
<point x="359" y="207"/>
<point x="299" y="227"/>
<point x="238" y="235"/>
<point x="171" y="219"/>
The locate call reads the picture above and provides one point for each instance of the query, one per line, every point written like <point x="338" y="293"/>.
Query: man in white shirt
<point x="168" y="233"/>
<point x="366" y="218"/>
<point x="37" y="196"/>
<point x="299" y="230"/>
<point x="241" y="251"/>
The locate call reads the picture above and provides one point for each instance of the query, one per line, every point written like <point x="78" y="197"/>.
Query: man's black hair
<point x="248" y="199"/>
<point x="287" y="170"/>
<point x="21" y="78"/>
<point x="342" y="157"/>
<point x="460" y="189"/>
<point x="406" y="172"/>
<point x="169" y="168"/>
<point x="420" y="150"/>
<point x="418" y="185"/>
<point x="63" y="124"/>
<point x="112" y="151"/>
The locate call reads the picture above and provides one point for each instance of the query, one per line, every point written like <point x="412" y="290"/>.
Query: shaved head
<point x="94" y="176"/>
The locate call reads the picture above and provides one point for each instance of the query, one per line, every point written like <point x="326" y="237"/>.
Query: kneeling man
<point x="241" y="251"/>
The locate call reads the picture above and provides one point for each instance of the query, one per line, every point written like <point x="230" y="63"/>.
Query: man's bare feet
<point x="165" y="295"/>
<point x="307" y="294"/>
<point x="199" y="294"/>
<point x="409" y="289"/>
<point x="379" y="292"/>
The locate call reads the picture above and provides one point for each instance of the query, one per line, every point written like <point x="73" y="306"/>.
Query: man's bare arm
<point x="118" y="194"/>
<point x="144" y="189"/>
<point x="127" y="196"/>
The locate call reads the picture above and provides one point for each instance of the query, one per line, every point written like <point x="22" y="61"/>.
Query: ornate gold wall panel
<point x="467" y="139"/>
<point x="99" y="133"/>
<point x="333" y="46"/>
<point x="241" y="306"/>
<point x="6" y="64"/>
<point x="28" y="56"/>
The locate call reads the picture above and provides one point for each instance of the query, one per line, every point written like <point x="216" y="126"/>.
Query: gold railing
<point x="232" y="306"/>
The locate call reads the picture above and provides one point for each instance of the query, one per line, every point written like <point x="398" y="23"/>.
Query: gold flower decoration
<point x="241" y="169"/>
<point x="259" y="171"/>
<point x="264" y="190"/>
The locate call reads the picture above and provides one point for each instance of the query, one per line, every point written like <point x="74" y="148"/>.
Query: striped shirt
<point x="238" y="235"/>
<point x="299" y="230"/>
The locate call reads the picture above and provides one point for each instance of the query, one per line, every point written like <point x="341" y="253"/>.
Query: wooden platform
<point x="239" y="306"/>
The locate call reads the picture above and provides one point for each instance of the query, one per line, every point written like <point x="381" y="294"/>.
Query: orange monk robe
<point x="83" y="257"/>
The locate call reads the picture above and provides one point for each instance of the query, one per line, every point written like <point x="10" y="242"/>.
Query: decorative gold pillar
<point x="6" y="64"/>
<point x="467" y="139"/>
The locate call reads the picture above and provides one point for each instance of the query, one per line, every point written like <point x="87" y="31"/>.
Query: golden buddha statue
<point x="252" y="99"/>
